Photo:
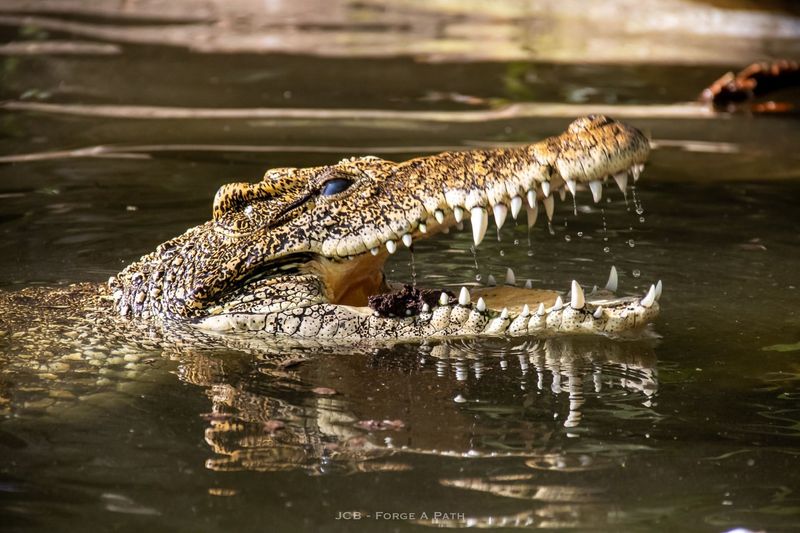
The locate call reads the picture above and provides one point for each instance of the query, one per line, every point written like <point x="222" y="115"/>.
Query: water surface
<point x="112" y="145"/>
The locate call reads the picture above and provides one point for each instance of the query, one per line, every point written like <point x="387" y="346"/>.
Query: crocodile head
<point x="301" y="252"/>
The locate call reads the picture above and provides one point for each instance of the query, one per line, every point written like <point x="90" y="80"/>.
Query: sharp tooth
<point x="659" y="288"/>
<point x="597" y="190"/>
<point x="531" y="197"/>
<point x="500" y="213"/>
<point x="549" y="206"/>
<point x="540" y="310"/>
<point x="636" y="171"/>
<point x="594" y="289"/>
<point x="622" y="180"/>
<point x="460" y="226"/>
<point x="511" y="279"/>
<point x="559" y="303"/>
<point x="650" y="298"/>
<point x="613" y="280"/>
<point x="577" y="300"/>
<point x="572" y="186"/>
<point x="528" y="284"/>
<point x="526" y="311"/>
<point x="546" y="188"/>
<point x="407" y="240"/>
<point x="446" y="231"/>
<point x="375" y="251"/>
<point x="562" y="193"/>
<point x="439" y="216"/>
<point x="423" y="228"/>
<point x="516" y="207"/>
<point x="458" y="213"/>
<point x="426" y="308"/>
<point x="533" y="213"/>
<point x="480" y="221"/>
<point x="481" y="305"/>
<point x="463" y="296"/>
<point x="504" y="313"/>
<point x="444" y="299"/>
<point x="391" y="246"/>
<point x="598" y="312"/>
<point x="490" y="281"/>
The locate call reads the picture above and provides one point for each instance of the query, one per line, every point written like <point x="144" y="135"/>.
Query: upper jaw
<point x="432" y="194"/>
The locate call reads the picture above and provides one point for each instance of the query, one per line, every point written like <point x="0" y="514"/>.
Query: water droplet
<point x="636" y="273"/>
<point x="567" y="238"/>
<point x="580" y="234"/>
<point x="631" y="243"/>
<point x="641" y="219"/>
<point x="530" y="253"/>
<point x="477" y="277"/>
<point x="516" y="242"/>
<point x="606" y="249"/>
<point x="640" y="210"/>
<point x="502" y="253"/>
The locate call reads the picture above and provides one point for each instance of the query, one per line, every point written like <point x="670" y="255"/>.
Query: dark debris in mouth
<point x="406" y="301"/>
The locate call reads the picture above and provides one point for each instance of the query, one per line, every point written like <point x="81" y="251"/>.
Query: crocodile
<point x="301" y="253"/>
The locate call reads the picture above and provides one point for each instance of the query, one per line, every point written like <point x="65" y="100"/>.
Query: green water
<point x="696" y="428"/>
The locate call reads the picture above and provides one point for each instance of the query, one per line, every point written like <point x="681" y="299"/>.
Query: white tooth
<point x="597" y="190"/>
<point x="504" y="313"/>
<point x="444" y="299"/>
<point x="613" y="280"/>
<point x="577" y="300"/>
<point x="531" y="196"/>
<point x="562" y="193"/>
<point x="480" y="221"/>
<point x="423" y="228"/>
<point x="481" y="305"/>
<point x="594" y="289"/>
<point x="458" y="213"/>
<point x="463" y="296"/>
<point x="407" y="240"/>
<point x="622" y="180"/>
<point x="650" y="298"/>
<point x="636" y="171"/>
<point x="572" y="186"/>
<point x="511" y="279"/>
<point x="516" y="206"/>
<point x="446" y="231"/>
<point x="391" y="246"/>
<point x="490" y="281"/>
<point x="559" y="303"/>
<point x="526" y="311"/>
<point x="426" y="308"/>
<point x="659" y="288"/>
<point x="549" y="206"/>
<point x="598" y="312"/>
<point x="500" y="213"/>
<point x="546" y="188"/>
<point x="439" y="216"/>
<point x="460" y="226"/>
<point x="540" y="310"/>
<point x="529" y="284"/>
<point x="533" y="213"/>
<point x="375" y="251"/>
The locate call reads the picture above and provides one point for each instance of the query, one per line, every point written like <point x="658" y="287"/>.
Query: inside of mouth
<point x="407" y="300"/>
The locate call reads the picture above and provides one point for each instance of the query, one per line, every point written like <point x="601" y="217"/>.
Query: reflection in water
<point x="272" y="418"/>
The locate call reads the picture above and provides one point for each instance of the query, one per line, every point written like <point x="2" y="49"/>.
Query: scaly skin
<point x="284" y="257"/>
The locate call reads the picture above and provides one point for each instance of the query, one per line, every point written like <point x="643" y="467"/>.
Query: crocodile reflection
<point x="420" y="399"/>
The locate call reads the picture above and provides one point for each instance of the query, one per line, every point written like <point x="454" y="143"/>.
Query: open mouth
<point x="357" y="282"/>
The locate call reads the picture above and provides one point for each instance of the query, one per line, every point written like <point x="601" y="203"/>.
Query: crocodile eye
<point x="334" y="186"/>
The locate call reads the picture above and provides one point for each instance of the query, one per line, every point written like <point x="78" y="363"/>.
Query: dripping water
<point x="413" y="266"/>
